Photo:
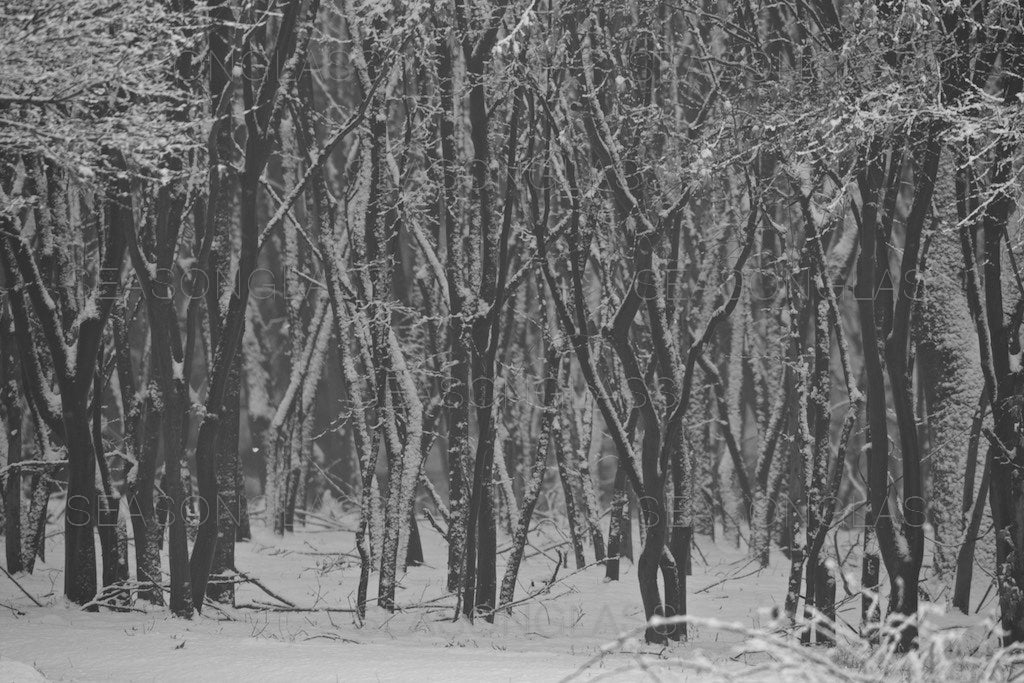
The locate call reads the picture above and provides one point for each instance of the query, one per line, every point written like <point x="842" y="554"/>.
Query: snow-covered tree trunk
<point x="590" y="446"/>
<point x="804" y="453"/>
<point x="368" y="531"/>
<point x="404" y="472"/>
<point x="947" y="347"/>
<point x="285" y="428"/>
<point x="257" y="389"/>
<point x="553" y="367"/>
<point x="33" y="539"/>
<point x="456" y="398"/>
<point x="509" y="510"/>
<point x="816" y="468"/>
<point x="141" y="432"/>
<point x="731" y="467"/>
<point x="290" y="463"/>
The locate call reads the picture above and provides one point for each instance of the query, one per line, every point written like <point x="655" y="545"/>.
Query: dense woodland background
<point x="644" y="271"/>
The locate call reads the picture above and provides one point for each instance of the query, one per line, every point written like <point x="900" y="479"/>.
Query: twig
<point x="558" y="565"/>
<point x="266" y="607"/>
<point x="693" y="542"/>
<point x="541" y="591"/>
<point x="325" y="521"/>
<point x="14" y="610"/>
<point x="433" y="523"/>
<point x="259" y="584"/>
<point x="21" y="588"/>
<point x="728" y="578"/>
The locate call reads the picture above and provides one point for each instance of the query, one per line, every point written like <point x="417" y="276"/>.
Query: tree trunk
<point x="965" y="558"/>
<point x="33" y="536"/>
<point x="11" y="424"/>
<point x="80" y="519"/>
<point x="946" y="350"/>
<point x="230" y="504"/>
<point x="111" y="527"/>
<point x="566" y="473"/>
<point x="619" y="527"/>
<point x="552" y="369"/>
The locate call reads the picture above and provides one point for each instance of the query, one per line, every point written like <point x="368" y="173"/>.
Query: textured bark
<point x="946" y="351"/>
<point x="366" y="448"/>
<point x="403" y="473"/>
<point x="803" y="454"/>
<point x="33" y="539"/>
<point x="592" y="511"/>
<point x="456" y="399"/>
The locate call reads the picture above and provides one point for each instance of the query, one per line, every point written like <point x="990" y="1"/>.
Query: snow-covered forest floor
<point x="557" y="633"/>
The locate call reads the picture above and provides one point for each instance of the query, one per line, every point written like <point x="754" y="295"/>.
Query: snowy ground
<point x="545" y="639"/>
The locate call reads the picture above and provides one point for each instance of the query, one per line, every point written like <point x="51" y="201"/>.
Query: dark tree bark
<point x="620" y="538"/>
<point x="11" y="419"/>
